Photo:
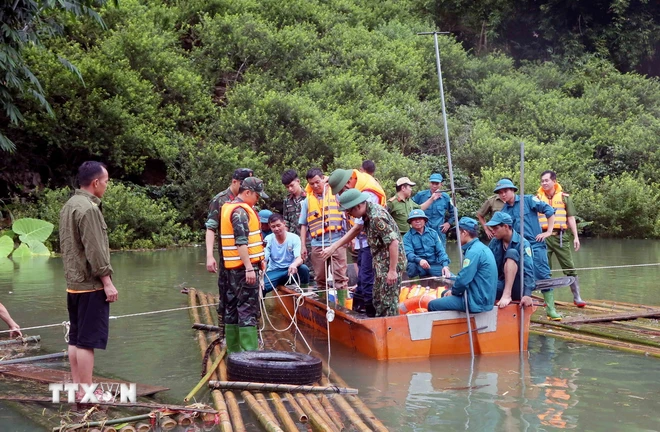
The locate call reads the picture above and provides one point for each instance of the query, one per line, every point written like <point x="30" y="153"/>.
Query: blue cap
<point x="417" y="214"/>
<point x="500" y="218"/>
<point x="505" y="184"/>
<point x="467" y="223"/>
<point x="436" y="177"/>
<point x="264" y="215"/>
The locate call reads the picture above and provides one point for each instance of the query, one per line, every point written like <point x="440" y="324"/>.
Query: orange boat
<point x="412" y="336"/>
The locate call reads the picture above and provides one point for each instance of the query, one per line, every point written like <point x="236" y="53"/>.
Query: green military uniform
<point x="490" y="206"/>
<point x="213" y="223"/>
<point x="292" y="205"/>
<point x="381" y="231"/>
<point x="400" y="211"/>
<point x="561" y="246"/>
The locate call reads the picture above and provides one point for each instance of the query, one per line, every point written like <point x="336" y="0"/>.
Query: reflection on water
<point x="558" y="385"/>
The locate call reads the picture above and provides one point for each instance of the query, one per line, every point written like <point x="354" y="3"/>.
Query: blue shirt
<point x="478" y="276"/>
<point x="425" y="246"/>
<point x="281" y="256"/>
<point x="437" y="210"/>
<point x="513" y="252"/>
<point x="330" y="237"/>
<point x="533" y="206"/>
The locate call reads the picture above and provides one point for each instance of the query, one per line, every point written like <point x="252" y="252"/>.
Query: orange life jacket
<point x="228" y="241"/>
<point x="557" y="202"/>
<point x="323" y="217"/>
<point x="366" y="183"/>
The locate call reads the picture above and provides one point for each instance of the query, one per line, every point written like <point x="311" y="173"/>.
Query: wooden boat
<point x="412" y="336"/>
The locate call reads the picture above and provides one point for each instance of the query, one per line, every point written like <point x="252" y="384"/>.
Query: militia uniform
<point x="438" y="209"/>
<point x="240" y="227"/>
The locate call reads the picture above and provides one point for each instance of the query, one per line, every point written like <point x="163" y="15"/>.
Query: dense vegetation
<point x="176" y="94"/>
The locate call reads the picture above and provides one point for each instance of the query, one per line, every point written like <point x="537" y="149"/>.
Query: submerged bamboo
<point x="280" y="388"/>
<point x="29" y="339"/>
<point x="256" y="408"/>
<point x="101" y="423"/>
<point x="348" y="410"/>
<point x="613" y="317"/>
<point x="286" y="421"/>
<point x="302" y="417"/>
<point x="35" y="358"/>
<point x="317" y="422"/>
<point x="316" y="405"/>
<point x="330" y="410"/>
<point x="266" y="407"/>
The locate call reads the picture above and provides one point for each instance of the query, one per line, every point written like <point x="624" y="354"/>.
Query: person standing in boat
<point x="342" y="180"/>
<point x="505" y="246"/>
<point x="478" y="276"/>
<point x="533" y="233"/>
<point x="87" y="269"/>
<point x="212" y="224"/>
<point x="558" y="243"/>
<point x="15" y="329"/>
<point x="243" y="256"/>
<point x="386" y="248"/>
<point x="436" y="205"/>
<point x="321" y="217"/>
<point x="492" y="205"/>
<point x="283" y="257"/>
<point x="425" y="253"/>
<point x="401" y="204"/>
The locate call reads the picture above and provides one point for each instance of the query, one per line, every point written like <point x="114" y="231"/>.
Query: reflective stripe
<point x="228" y="241"/>
<point x="557" y="203"/>
<point x="323" y="218"/>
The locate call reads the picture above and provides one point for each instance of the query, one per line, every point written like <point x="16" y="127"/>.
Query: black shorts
<point x="89" y="315"/>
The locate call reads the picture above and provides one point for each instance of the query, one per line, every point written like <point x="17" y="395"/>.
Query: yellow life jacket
<point x="324" y="217"/>
<point x="366" y="183"/>
<point x="228" y="241"/>
<point x="557" y="202"/>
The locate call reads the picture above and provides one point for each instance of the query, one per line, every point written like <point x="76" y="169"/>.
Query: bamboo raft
<point x="275" y="409"/>
<point x="624" y="326"/>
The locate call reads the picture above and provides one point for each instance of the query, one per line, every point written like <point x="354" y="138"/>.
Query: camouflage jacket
<point x="292" y="212"/>
<point x="213" y="218"/>
<point x="381" y="230"/>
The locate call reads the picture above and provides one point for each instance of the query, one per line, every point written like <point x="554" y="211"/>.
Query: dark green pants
<point x="563" y="253"/>
<point x="242" y="299"/>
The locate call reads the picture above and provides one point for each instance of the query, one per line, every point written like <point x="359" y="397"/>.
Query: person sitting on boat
<point x="505" y="246"/>
<point x="478" y="276"/>
<point x="532" y="233"/>
<point x="384" y="240"/>
<point x="243" y="255"/>
<point x="283" y="258"/>
<point x="425" y="253"/>
<point x="15" y="330"/>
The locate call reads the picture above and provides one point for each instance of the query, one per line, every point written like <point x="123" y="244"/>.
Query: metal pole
<point x="451" y="181"/>
<point x="522" y="244"/>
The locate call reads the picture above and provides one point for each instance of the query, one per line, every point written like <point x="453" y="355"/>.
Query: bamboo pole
<point x="218" y="399"/>
<point x="205" y="327"/>
<point x="613" y="317"/>
<point x="143" y="427"/>
<point x="206" y="377"/>
<point x="167" y="423"/>
<point x="302" y="417"/>
<point x="101" y="423"/>
<point x="232" y="402"/>
<point x="29" y="339"/>
<point x="359" y="406"/>
<point x="591" y="331"/>
<point x="35" y="358"/>
<point x="280" y="388"/>
<point x="128" y="428"/>
<point x="286" y="421"/>
<point x="316" y="405"/>
<point x="266" y="407"/>
<point x="259" y="413"/>
<point x="348" y="410"/>
<point x="315" y="419"/>
<point x="330" y="410"/>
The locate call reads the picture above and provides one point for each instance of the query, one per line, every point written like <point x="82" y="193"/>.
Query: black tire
<point x="277" y="367"/>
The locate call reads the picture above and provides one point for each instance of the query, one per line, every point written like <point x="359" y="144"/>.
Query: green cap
<point x="338" y="179"/>
<point x="351" y="198"/>
<point x="254" y="184"/>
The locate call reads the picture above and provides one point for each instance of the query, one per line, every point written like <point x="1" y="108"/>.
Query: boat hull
<point x="414" y="336"/>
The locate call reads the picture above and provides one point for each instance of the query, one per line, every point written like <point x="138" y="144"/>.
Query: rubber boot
<point x="370" y="310"/>
<point x="550" y="310"/>
<point x="575" y="289"/>
<point x="231" y="334"/>
<point x="249" y="338"/>
<point x="341" y="297"/>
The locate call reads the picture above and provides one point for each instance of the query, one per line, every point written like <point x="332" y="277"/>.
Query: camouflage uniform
<point x="381" y="231"/>
<point x="213" y="223"/>
<point x="242" y="299"/>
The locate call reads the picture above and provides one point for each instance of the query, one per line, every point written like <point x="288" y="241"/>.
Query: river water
<point x="557" y="385"/>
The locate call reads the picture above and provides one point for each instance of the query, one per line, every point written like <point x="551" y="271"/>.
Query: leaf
<point x="6" y="246"/>
<point x="31" y="230"/>
<point x="22" y="251"/>
<point x="71" y="67"/>
<point x="6" y="265"/>
<point x="38" y="248"/>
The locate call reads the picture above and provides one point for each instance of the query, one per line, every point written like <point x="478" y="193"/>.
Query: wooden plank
<point x="613" y="317"/>
<point x="34" y="373"/>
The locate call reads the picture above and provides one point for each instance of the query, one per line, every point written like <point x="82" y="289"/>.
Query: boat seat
<point x="421" y="325"/>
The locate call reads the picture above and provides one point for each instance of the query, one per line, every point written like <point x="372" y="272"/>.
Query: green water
<point x="559" y="384"/>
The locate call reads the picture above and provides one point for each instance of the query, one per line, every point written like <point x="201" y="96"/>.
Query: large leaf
<point x="32" y="230"/>
<point x="6" y="265"/>
<point x="38" y="248"/>
<point x="22" y="251"/>
<point x="6" y="246"/>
